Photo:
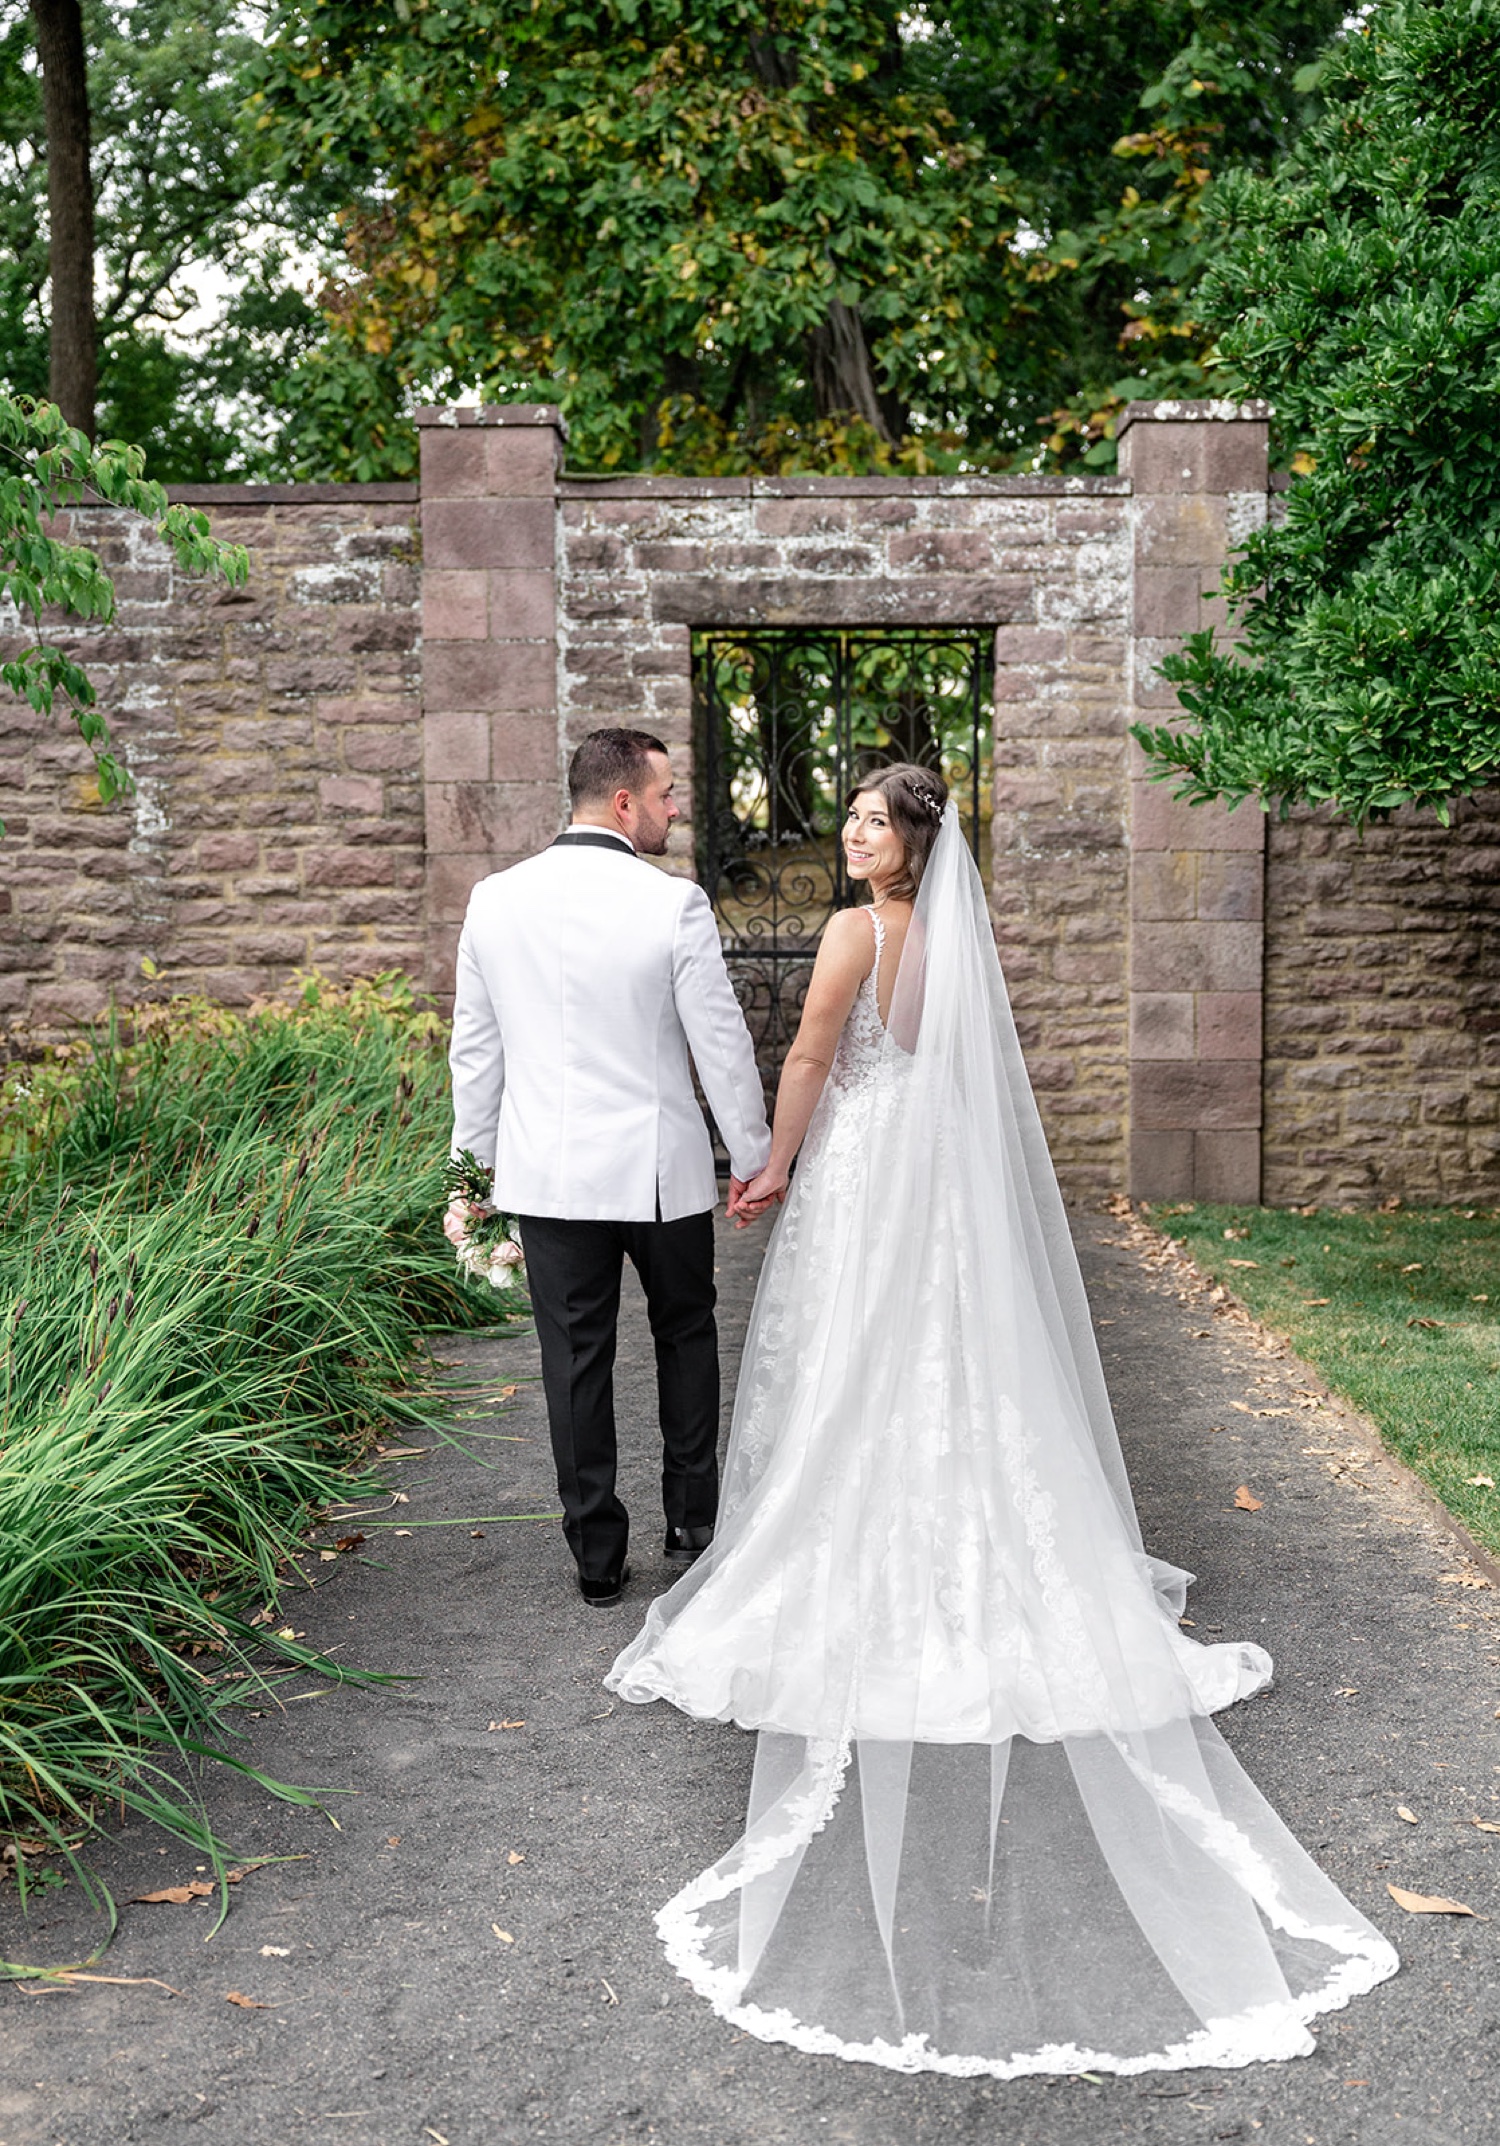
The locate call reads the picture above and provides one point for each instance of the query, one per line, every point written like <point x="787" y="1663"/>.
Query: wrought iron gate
<point x="785" y="720"/>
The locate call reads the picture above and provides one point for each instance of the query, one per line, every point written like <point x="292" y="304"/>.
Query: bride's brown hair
<point x="915" y="798"/>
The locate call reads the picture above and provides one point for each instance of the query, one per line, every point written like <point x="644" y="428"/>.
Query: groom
<point x="585" y="979"/>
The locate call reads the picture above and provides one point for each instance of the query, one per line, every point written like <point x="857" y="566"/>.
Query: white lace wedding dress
<point x="992" y="1828"/>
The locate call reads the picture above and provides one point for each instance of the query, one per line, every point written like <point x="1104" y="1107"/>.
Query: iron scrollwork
<point x="785" y="719"/>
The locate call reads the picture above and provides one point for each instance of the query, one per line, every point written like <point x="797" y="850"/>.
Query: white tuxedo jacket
<point x="585" y="978"/>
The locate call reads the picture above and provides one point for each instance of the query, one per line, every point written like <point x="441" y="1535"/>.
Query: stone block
<point x="1188" y="530"/>
<point x="456" y="745"/>
<point x="1167" y="600"/>
<point x="1161" y="1165"/>
<point x="1163" y="884"/>
<point x="1231" y="886"/>
<point x="507" y="535"/>
<point x="522" y="462"/>
<point x="804" y="517"/>
<point x="942" y="551"/>
<point x="524" y="748"/>
<point x="381" y="751"/>
<point x="1230" y="1024"/>
<point x="227" y="852"/>
<point x="1161" y="821"/>
<point x="492" y="819"/>
<point x="1227" y="1167"/>
<point x="338" y="865"/>
<point x="1161" y="1025"/>
<point x="1173" y="1095"/>
<point x="523" y="606"/>
<point x="1030" y="644"/>
<point x="455" y="603"/>
<point x="454" y="466"/>
<point x="1196" y="956"/>
<point x="450" y="881"/>
<point x="351" y="793"/>
<point x="1188" y="456"/>
<point x="361" y="708"/>
<point x="489" y="674"/>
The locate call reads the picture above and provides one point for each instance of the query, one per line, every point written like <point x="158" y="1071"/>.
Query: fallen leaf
<point x="400" y="1452"/>
<point x="1414" y="1268"/>
<point x="327" y="1557"/>
<point x="1245" y="1500"/>
<point x="1317" y="1300"/>
<point x="275" y="1952"/>
<point x="286" y="1632"/>
<point x="1409" y="1816"/>
<point x="1462" y="1579"/>
<point x="249" y="2004"/>
<point x="393" y="1840"/>
<point x="516" y="1855"/>
<point x="1431" y="1324"/>
<point x="1425" y="1903"/>
<point x="263" y="1616"/>
<point x="508" y="1724"/>
<point x="1480" y="1482"/>
<point x="1481" y="1299"/>
<point x="178" y="1895"/>
<point x="1485" y="1825"/>
<point x="507" y="1393"/>
<point x="503" y="1935"/>
<point x="402" y="1531"/>
<point x="399" y="1497"/>
<point x="1242" y="1262"/>
<point x="349" y="1542"/>
<point x="476" y="1534"/>
<point x="1244" y="1407"/>
<point x="1346" y="1691"/>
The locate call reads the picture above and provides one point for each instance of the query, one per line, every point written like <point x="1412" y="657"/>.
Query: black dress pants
<point x="574" y="1270"/>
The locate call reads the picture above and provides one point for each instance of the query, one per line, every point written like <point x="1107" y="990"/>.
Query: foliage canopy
<point x="1359" y="290"/>
<point x="833" y="234"/>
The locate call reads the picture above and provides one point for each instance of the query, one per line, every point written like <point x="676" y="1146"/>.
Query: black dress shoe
<point x="603" y="1594"/>
<point x="686" y="1545"/>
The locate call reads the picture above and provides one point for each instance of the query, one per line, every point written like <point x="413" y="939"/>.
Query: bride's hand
<point x="767" y="1190"/>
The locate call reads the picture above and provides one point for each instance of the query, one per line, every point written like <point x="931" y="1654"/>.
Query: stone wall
<point x="318" y="781"/>
<point x="1382" y="1071"/>
<point x="274" y="733"/>
<point x="1042" y="561"/>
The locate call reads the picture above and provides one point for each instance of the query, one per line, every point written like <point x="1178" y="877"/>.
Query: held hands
<point x="748" y="1202"/>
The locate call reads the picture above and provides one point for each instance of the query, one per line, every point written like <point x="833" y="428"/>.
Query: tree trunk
<point x="70" y="208"/>
<point x="842" y="378"/>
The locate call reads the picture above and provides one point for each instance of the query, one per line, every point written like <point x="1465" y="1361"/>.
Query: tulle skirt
<point x="992" y="1828"/>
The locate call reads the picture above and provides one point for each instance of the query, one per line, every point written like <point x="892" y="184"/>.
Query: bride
<point x="992" y="1828"/>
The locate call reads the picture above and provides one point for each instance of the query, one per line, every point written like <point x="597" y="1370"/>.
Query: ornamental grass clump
<point x="219" y="1246"/>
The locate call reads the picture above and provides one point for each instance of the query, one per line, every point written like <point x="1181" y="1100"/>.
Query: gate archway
<point x="784" y="719"/>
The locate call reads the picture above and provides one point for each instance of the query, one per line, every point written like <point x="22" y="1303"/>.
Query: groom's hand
<point x="748" y="1202"/>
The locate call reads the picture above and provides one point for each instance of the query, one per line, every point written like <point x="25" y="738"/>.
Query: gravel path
<point x="501" y="1791"/>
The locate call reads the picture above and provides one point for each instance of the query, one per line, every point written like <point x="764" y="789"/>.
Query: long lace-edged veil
<point x="992" y="1827"/>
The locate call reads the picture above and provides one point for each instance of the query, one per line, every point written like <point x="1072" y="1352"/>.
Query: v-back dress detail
<point x="992" y="1827"/>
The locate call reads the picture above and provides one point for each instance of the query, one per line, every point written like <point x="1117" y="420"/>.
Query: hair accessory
<point x="928" y="800"/>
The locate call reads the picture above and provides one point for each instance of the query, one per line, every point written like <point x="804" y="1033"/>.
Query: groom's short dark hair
<point x="610" y="760"/>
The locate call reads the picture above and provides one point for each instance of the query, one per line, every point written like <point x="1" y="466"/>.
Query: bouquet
<point x="488" y="1243"/>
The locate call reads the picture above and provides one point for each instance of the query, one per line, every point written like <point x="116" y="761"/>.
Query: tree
<point x="70" y="209"/>
<point x="719" y="235"/>
<point x="1358" y="289"/>
<point x="1113" y="116"/>
<point x="47" y="465"/>
<point x="197" y="259"/>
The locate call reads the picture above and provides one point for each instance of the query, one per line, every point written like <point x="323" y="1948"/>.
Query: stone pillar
<point x="491" y="759"/>
<point x="1199" y="479"/>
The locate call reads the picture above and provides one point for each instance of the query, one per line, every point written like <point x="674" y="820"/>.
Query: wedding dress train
<point x="992" y="1828"/>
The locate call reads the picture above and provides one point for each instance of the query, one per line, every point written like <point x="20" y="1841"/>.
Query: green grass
<point x="1409" y="1331"/>
<point x="220" y="1247"/>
